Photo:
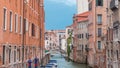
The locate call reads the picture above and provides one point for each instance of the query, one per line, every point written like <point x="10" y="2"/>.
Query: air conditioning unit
<point x="114" y="4"/>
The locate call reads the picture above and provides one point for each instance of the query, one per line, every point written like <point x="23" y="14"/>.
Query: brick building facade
<point x="21" y="31"/>
<point x="97" y="28"/>
<point x="80" y="32"/>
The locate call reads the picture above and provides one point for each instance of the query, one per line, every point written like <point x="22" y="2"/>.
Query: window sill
<point x="10" y="31"/>
<point x="99" y="23"/>
<point x="99" y="5"/>
<point x="4" y="30"/>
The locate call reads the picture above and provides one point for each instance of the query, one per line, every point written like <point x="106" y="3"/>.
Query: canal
<point x="62" y="63"/>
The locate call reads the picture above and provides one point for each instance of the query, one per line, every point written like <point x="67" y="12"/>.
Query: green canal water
<point x="62" y="63"/>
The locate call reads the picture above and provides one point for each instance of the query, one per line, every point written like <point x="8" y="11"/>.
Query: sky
<point x="59" y="13"/>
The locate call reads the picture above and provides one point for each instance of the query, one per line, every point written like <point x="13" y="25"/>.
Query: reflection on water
<point x="62" y="63"/>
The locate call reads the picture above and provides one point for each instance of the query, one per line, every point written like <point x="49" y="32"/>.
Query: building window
<point x="99" y="18"/>
<point x="27" y="25"/>
<point x="10" y="27"/>
<point x="111" y="53"/>
<point x="82" y="47"/>
<point x="15" y="54"/>
<point x="108" y="53"/>
<point x="9" y="54"/>
<point x="4" y="19"/>
<point x="21" y="25"/>
<point x="86" y="46"/>
<point x="78" y="48"/>
<point x="24" y="26"/>
<point x="50" y="44"/>
<point x="4" y="55"/>
<point x="46" y="38"/>
<point x="33" y="30"/>
<point x="99" y="31"/>
<point x="82" y="35"/>
<point x="47" y="42"/>
<point x="18" y="54"/>
<point x="117" y="54"/>
<point x="86" y="35"/>
<point x="99" y="2"/>
<point x="26" y="53"/>
<point x="90" y="6"/>
<point x="116" y="30"/>
<point x="59" y="36"/>
<point x="69" y="31"/>
<point x="79" y="36"/>
<point x="99" y="45"/>
<point x="78" y="26"/>
<point x="16" y="23"/>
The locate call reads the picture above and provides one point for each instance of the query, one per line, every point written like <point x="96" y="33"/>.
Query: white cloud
<point x="66" y="2"/>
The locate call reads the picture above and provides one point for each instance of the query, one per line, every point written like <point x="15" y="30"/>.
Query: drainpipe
<point x="23" y="38"/>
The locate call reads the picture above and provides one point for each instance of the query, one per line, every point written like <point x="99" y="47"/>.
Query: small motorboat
<point x="53" y="63"/>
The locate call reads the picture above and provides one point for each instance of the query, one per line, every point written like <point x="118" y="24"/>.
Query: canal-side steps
<point x="51" y="64"/>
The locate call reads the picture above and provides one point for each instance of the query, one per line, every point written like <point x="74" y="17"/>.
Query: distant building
<point x="80" y="38"/>
<point x="61" y="39"/>
<point x="50" y="41"/>
<point x="82" y="6"/>
<point x="54" y="39"/>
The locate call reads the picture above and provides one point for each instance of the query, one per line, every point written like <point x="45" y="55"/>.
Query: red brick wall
<point x="31" y="13"/>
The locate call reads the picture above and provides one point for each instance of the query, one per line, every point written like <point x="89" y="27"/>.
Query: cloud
<point x="66" y="2"/>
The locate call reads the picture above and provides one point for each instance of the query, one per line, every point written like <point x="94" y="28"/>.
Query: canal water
<point x="62" y="63"/>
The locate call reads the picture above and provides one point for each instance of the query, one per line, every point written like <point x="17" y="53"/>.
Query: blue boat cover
<point x="48" y="66"/>
<point x="53" y="61"/>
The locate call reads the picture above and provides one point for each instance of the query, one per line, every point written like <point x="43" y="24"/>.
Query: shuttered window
<point x="99" y="2"/>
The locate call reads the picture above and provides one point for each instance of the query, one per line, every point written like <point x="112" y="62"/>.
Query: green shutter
<point x="96" y="2"/>
<point x="102" y="2"/>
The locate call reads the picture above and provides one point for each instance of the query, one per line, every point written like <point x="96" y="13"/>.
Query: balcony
<point x="116" y="34"/>
<point x="116" y="24"/>
<point x="114" y="4"/>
